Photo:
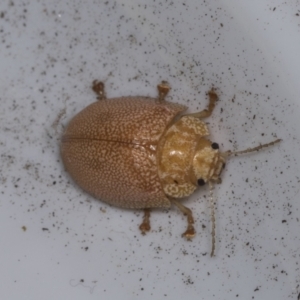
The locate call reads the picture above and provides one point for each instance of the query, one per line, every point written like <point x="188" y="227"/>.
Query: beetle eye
<point x="215" y="146"/>
<point x="200" y="182"/>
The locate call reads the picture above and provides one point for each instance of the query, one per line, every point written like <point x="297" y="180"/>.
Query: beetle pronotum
<point x="141" y="153"/>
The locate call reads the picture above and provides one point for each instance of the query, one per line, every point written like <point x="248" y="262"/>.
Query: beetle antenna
<point x="213" y="217"/>
<point x="257" y="148"/>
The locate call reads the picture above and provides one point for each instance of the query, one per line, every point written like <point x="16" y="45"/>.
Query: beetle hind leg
<point x="190" y="231"/>
<point x="145" y="226"/>
<point x="213" y="98"/>
<point x="98" y="88"/>
<point x="163" y="90"/>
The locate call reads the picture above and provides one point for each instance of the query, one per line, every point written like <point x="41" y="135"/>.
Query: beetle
<point x="143" y="153"/>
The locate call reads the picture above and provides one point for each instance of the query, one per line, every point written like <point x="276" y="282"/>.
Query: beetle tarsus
<point x="163" y="90"/>
<point x="98" y="88"/>
<point x="189" y="233"/>
<point x="145" y="226"/>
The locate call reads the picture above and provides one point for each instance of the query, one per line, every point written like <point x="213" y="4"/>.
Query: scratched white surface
<point x="58" y="242"/>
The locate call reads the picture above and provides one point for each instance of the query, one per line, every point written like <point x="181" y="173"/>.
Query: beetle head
<point x="208" y="162"/>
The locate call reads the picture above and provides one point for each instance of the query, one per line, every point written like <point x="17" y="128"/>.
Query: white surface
<point x="51" y="52"/>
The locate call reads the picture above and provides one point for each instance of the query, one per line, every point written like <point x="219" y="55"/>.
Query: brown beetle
<point x="141" y="153"/>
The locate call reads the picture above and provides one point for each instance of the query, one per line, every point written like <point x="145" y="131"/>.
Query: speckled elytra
<point x="142" y="153"/>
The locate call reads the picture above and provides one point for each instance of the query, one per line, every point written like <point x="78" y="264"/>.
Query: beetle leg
<point x="190" y="231"/>
<point x="98" y="88"/>
<point x="163" y="90"/>
<point x="145" y="226"/>
<point x="213" y="98"/>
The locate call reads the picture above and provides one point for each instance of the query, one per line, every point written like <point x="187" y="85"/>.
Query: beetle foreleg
<point x="190" y="231"/>
<point x="145" y="226"/>
<point x="213" y="98"/>
<point x="98" y="88"/>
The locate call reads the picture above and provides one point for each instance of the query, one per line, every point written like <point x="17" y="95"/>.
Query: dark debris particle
<point x="81" y="280"/>
<point x="24" y="228"/>
<point x="45" y="229"/>
<point x="257" y="289"/>
<point x="189" y="281"/>
<point x="283" y="221"/>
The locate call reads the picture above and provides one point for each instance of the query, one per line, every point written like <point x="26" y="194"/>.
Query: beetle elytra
<point x="142" y="153"/>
